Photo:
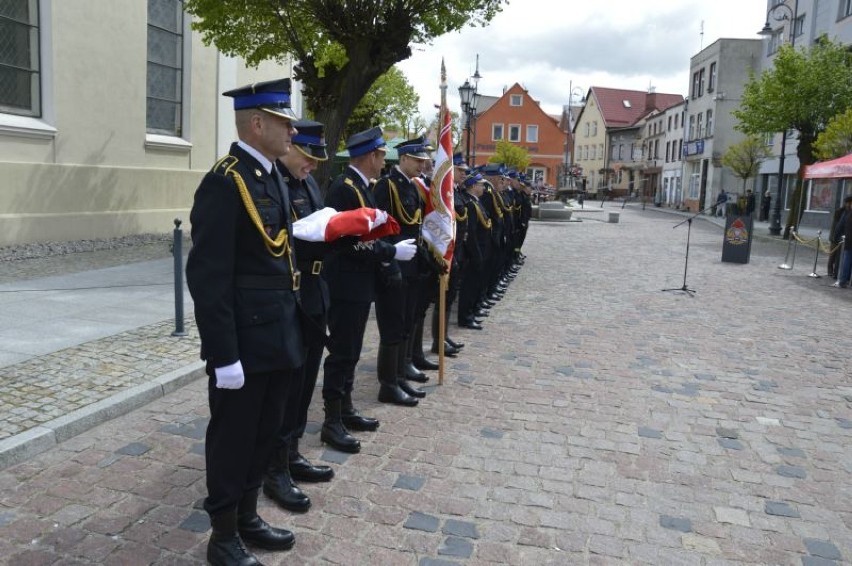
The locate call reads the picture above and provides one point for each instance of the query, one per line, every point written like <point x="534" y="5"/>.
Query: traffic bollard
<point x="816" y="258"/>
<point x="177" y="253"/>
<point x="794" y="243"/>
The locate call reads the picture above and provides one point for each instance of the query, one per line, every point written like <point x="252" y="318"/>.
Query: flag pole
<point x="443" y="278"/>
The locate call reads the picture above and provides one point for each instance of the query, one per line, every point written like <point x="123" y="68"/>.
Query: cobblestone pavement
<point x="595" y="420"/>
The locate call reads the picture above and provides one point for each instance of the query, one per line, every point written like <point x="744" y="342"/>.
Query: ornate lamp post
<point x="569" y="153"/>
<point x="791" y="14"/>
<point x="466" y="92"/>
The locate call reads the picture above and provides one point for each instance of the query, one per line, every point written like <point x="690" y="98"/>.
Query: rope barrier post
<point x="787" y="256"/>
<point x="842" y="251"/>
<point x="177" y="254"/>
<point x="794" y="238"/>
<point x="814" y="273"/>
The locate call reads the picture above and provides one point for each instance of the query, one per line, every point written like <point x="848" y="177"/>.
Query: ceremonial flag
<point x="439" y="222"/>
<point x="327" y="225"/>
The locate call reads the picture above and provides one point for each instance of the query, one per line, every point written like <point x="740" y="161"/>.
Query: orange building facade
<point x="517" y="117"/>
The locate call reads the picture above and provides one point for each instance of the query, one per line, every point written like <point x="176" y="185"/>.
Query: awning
<point x="840" y="168"/>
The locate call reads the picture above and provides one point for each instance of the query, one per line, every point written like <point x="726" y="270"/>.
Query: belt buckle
<point x="297" y="280"/>
<point x="316" y="267"/>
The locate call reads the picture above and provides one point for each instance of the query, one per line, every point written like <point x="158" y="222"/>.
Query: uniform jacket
<point x="479" y="234"/>
<point x="245" y="307"/>
<point x="391" y="192"/>
<point x="351" y="272"/>
<point x="305" y="199"/>
<point x="491" y="204"/>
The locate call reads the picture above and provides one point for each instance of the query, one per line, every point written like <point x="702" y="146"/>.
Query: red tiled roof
<point x="616" y="114"/>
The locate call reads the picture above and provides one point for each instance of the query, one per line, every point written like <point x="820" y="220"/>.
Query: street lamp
<point x="466" y="92"/>
<point x="791" y="14"/>
<point x="569" y="154"/>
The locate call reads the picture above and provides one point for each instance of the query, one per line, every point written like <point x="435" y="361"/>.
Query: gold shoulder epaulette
<point x="349" y="182"/>
<point x="225" y="164"/>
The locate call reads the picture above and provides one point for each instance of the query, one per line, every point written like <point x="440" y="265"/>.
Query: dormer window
<point x="516" y="100"/>
<point x="627" y="103"/>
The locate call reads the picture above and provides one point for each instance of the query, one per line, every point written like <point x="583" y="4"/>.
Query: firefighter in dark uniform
<point x="351" y="276"/>
<point x="287" y="463"/>
<point x="525" y="215"/>
<point x="478" y="248"/>
<point x="460" y="258"/>
<point x="401" y="284"/>
<point x="244" y="282"/>
<point x="495" y="174"/>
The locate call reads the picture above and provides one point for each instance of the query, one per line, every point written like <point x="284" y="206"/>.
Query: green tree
<point x="803" y="90"/>
<point x="391" y="103"/>
<point x="511" y="155"/>
<point x="744" y="158"/>
<point x="836" y="140"/>
<point x="341" y="48"/>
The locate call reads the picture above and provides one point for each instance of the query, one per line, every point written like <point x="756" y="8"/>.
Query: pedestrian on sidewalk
<point x="721" y="201"/>
<point x="845" y="229"/>
<point x="242" y="277"/>
<point x="764" y="206"/>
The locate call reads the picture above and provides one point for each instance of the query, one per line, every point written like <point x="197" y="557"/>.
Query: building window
<point x="694" y="84"/>
<point x="496" y="132"/>
<point x="20" y="78"/>
<point x="586" y="129"/>
<point x="799" y="26"/>
<point x="516" y="100"/>
<point x="701" y="82"/>
<point x="620" y="151"/>
<point x="514" y="132"/>
<point x="532" y="134"/>
<point x="709" y="123"/>
<point x="668" y="150"/>
<point x="676" y="116"/>
<point x="699" y="126"/>
<point x="691" y="135"/>
<point x="657" y="148"/>
<point x="669" y="125"/>
<point x="165" y="67"/>
<point x="711" y="82"/>
<point x="595" y="128"/>
<point x="845" y="9"/>
<point x="600" y="151"/>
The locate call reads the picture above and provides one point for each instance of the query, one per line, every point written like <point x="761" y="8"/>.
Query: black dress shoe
<point x="279" y="487"/>
<point x="472" y="324"/>
<point x="454" y="344"/>
<point x="360" y="423"/>
<point x="335" y="435"/>
<point x="257" y="532"/>
<point x="413" y="391"/>
<point x="396" y="396"/>
<point x="449" y="350"/>
<point x="302" y="470"/>
<point x="412" y="373"/>
<point x="480" y="314"/>
<point x="423" y="363"/>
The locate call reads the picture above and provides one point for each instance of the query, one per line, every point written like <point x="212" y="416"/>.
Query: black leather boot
<point x="415" y="392"/>
<point x="353" y="420"/>
<point x="257" y="532"/>
<point x="302" y="470"/>
<point x="225" y="547"/>
<point x="333" y="432"/>
<point x="411" y="372"/>
<point x="278" y="484"/>
<point x="451" y="349"/>
<point x="416" y="346"/>
<point x="386" y="369"/>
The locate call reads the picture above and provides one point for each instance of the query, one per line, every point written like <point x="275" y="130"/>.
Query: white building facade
<point x="110" y="114"/>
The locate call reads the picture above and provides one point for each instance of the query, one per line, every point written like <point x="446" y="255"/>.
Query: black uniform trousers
<point x="255" y="411"/>
<point x="296" y="415"/>
<point x="397" y="309"/>
<point x="347" y="321"/>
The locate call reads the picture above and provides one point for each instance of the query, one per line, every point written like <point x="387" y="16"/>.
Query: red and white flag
<point x="439" y="222"/>
<point x="327" y="225"/>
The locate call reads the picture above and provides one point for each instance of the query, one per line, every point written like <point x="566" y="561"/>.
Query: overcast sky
<point x="551" y="45"/>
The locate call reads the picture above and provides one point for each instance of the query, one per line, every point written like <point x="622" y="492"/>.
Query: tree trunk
<point x="805" y="153"/>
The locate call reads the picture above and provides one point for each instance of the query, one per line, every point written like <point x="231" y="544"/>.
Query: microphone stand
<point x="688" y="221"/>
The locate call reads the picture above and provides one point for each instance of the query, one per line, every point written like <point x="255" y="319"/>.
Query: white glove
<point x="405" y="250"/>
<point x="230" y="377"/>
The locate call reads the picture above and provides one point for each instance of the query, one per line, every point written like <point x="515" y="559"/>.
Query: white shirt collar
<point x="267" y="164"/>
<point x="363" y="178"/>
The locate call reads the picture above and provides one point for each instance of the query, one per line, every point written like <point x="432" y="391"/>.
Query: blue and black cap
<point x="269" y="96"/>
<point x="310" y="139"/>
<point x="472" y="179"/>
<point x="494" y="170"/>
<point x="364" y="142"/>
<point x="458" y="160"/>
<point x="415" y="148"/>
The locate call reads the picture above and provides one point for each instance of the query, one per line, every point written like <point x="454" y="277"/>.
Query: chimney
<point x="650" y="101"/>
